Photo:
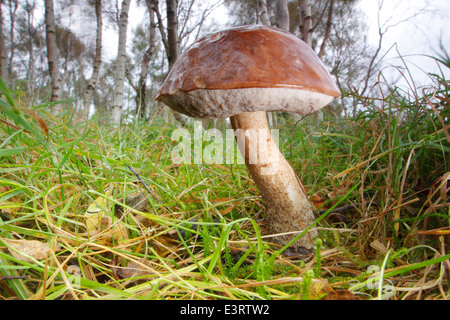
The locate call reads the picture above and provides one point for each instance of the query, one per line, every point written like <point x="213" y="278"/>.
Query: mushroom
<point x="242" y="73"/>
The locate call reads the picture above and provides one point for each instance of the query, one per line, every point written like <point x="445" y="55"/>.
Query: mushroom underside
<point x="209" y="104"/>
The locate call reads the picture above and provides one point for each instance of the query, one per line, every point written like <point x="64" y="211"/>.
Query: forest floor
<point x="98" y="212"/>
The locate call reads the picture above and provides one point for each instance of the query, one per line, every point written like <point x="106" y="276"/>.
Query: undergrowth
<point x="89" y="211"/>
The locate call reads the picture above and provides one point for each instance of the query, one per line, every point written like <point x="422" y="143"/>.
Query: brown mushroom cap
<point x="245" y="69"/>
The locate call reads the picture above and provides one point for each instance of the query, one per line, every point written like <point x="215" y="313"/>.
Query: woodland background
<point x="54" y="51"/>
<point x="92" y="205"/>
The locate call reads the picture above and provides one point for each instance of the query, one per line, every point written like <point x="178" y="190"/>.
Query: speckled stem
<point x="287" y="207"/>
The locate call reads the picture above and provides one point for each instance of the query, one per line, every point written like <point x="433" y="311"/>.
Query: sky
<point x="415" y="28"/>
<point x="412" y="29"/>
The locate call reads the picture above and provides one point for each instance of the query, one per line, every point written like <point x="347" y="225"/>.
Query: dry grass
<point x="379" y="182"/>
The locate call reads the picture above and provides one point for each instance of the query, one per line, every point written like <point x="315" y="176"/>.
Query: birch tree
<point x="52" y="55"/>
<point x="116" y="109"/>
<point x="31" y="33"/>
<point x="13" y="5"/>
<point x="3" y="53"/>
<point x="264" y="18"/>
<point x="262" y="12"/>
<point x="282" y="14"/>
<point x="141" y="106"/>
<point x="87" y="98"/>
<point x="169" y="35"/>
<point x="305" y="21"/>
<point x="170" y="39"/>
<point x="173" y="48"/>
<point x="173" y="44"/>
<point x="141" y="37"/>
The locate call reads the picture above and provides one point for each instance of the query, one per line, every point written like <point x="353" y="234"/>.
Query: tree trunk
<point x="173" y="45"/>
<point x="31" y="33"/>
<point x="170" y="40"/>
<point x="327" y="34"/>
<point x="142" y="86"/>
<point x="172" y="32"/>
<point x="97" y="60"/>
<point x="155" y="8"/>
<point x="116" y="110"/>
<point x="263" y="15"/>
<point x="305" y="21"/>
<point x="12" y="17"/>
<point x="3" y="54"/>
<point x="282" y="15"/>
<point x="283" y="23"/>
<point x="52" y="54"/>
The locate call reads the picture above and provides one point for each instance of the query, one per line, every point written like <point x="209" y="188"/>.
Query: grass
<point x="379" y="180"/>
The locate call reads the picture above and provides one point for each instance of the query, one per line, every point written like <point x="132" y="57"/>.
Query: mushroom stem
<point x="287" y="207"/>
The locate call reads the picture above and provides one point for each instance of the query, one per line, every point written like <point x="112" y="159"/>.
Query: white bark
<point x="97" y="60"/>
<point x="52" y="55"/>
<point x="116" y="109"/>
<point x="263" y="15"/>
<point x="305" y="21"/>
<point x="282" y="15"/>
<point x="3" y="54"/>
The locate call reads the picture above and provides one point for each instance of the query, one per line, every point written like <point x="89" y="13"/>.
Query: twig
<point x="13" y="277"/>
<point x="145" y="186"/>
<point x="143" y="183"/>
<point x="340" y="209"/>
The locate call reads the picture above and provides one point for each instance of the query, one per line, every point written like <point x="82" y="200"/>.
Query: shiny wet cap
<point x="228" y="72"/>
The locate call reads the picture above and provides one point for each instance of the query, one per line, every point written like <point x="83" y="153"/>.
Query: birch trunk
<point x="282" y="15"/>
<point x="142" y="86"/>
<point x="97" y="60"/>
<point x="52" y="55"/>
<point x="3" y="54"/>
<point x="172" y="32"/>
<point x="173" y="45"/>
<point x="305" y="21"/>
<point x="116" y="109"/>
<point x="12" y="18"/>
<point x="29" y="9"/>
<point x="263" y="15"/>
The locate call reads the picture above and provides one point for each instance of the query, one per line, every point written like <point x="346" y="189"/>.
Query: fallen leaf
<point x="98" y="219"/>
<point x="341" y="295"/>
<point x="377" y="245"/>
<point x="9" y="207"/>
<point x="444" y="189"/>
<point x="318" y="201"/>
<point x="134" y="269"/>
<point x="95" y="217"/>
<point x="27" y="250"/>
<point x="139" y="202"/>
<point x="321" y="289"/>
